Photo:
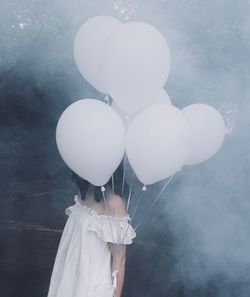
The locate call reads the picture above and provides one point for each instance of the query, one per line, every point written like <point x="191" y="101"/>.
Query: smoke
<point x="212" y="230"/>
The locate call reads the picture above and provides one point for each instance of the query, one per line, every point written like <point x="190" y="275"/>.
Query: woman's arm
<point x="118" y="251"/>
<point x="118" y="260"/>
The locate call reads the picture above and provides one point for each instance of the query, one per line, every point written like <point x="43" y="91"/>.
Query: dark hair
<point x="83" y="184"/>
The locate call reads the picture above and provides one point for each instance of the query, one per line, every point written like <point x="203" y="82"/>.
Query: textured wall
<point x="196" y="240"/>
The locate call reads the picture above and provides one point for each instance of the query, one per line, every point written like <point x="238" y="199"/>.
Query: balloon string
<point x="124" y="173"/>
<point x="113" y="183"/>
<point x="128" y="204"/>
<point x="155" y="200"/>
<point x="107" y="210"/>
<point x="130" y="194"/>
<point x="129" y="197"/>
<point x="137" y="205"/>
<point x="141" y="196"/>
<point x="162" y="190"/>
<point x="116" y="247"/>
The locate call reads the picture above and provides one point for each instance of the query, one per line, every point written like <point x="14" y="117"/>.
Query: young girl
<point x="90" y="260"/>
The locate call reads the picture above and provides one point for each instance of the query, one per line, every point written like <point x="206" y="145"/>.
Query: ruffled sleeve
<point x="112" y="229"/>
<point x="70" y="208"/>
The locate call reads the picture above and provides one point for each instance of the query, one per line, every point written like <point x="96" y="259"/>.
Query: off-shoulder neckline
<point x="102" y="216"/>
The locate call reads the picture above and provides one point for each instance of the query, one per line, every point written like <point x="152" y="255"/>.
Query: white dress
<point x="82" y="265"/>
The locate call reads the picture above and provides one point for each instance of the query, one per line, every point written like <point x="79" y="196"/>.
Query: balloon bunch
<point x="130" y="62"/>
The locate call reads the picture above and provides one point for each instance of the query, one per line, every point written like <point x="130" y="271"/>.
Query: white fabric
<point x="82" y="265"/>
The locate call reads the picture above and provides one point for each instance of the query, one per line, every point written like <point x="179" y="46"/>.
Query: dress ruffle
<point x="111" y="229"/>
<point x="69" y="210"/>
<point x="108" y="228"/>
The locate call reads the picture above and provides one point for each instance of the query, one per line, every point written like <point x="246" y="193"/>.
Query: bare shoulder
<point x="117" y="204"/>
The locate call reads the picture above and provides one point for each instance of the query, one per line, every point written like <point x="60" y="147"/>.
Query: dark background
<point x="196" y="240"/>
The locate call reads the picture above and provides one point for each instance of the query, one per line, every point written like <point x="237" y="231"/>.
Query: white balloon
<point x="157" y="143"/>
<point x="88" y="47"/>
<point x="135" y="64"/>
<point x="207" y="132"/>
<point x="91" y="140"/>
<point x="161" y="97"/>
<point x="125" y="117"/>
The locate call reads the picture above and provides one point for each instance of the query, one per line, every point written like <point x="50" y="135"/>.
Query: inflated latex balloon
<point x="125" y="117"/>
<point x="135" y="64"/>
<point x="160" y="97"/>
<point x="157" y="143"/>
<point x="88" y="47"/>
<point x="91" y="140"/>
<point x="207" y="132"/>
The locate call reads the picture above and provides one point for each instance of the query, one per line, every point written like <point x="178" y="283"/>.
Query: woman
<point x="90" y="260"/>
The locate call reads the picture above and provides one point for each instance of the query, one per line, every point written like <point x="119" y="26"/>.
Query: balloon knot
<point x="144" y="188"/>
<point x="106" y="98"/>
<point x="102" y="188"/>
